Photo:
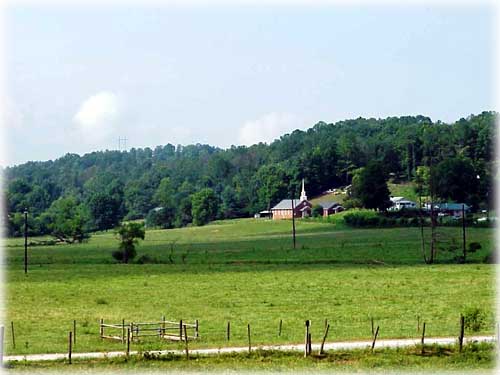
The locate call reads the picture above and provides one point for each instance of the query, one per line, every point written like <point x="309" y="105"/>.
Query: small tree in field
<point x="129" y="235"/>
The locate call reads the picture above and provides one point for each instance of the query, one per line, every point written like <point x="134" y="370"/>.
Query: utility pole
<point x="293" y="220"/>
<point x="25" y="241"/>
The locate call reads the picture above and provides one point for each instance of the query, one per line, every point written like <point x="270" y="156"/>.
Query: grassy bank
<point x="474" y="357"/>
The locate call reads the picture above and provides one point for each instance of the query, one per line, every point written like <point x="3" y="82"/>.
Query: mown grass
<point x="479" y="357"/>
<point x="246" y="271"/>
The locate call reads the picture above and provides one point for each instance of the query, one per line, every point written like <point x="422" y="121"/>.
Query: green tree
<point x="138" y="196"/>
<point x="164" y="198"/>
<point x="271" y="182"/>
<point x="369" y="185"/>
<point x="230" y="207"/>
<point x="204" y="206"/>
<point x="317" y="210"/>
<point x="67" y="220"/>
<point x="455" y="179"/>
<point x="422" y="177"/>
<point x="129" y="235"/>
<point x="104" y="210"/>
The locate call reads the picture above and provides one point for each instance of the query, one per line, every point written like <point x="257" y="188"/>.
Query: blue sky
<point x="80" y="77"/>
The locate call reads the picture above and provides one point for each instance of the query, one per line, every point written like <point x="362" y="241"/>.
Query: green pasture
<point x="246" y="271"/>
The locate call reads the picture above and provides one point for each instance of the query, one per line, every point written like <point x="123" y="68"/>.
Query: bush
<point x="474" y="246"/>
<point x="119" y="255"/>
<point x="474" y="319"/>
<point x="362" y="218"/>
<point x="489" y="259"/>
<point x="317" y="211"/>
<point x="350" y="203"/>
<point x="143" y="259"/>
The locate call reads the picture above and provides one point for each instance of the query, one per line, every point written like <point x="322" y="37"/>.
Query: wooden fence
<point x="164" y="329"/>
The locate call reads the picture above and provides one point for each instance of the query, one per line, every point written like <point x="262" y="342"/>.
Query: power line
<point x="120" y="141"/>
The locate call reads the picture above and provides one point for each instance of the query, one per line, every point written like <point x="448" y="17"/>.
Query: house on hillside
<point x="452" y="209"/>
<point x="296" y="207"/>
<point x="400" y="203"/>
<point x="330" y="208"/>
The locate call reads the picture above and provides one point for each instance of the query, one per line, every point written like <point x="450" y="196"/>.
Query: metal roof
<point x="286" y="204"/>
<point x="328" y="205"/>
<point x="450" y="206"/>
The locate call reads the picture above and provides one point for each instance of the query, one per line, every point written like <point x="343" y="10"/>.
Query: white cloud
<point x="97" y="115"/>
<point x="267" y="128"/>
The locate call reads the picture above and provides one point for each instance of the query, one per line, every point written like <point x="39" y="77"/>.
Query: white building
<point x="400" y="203"/>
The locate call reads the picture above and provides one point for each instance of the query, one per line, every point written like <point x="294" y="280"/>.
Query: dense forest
<point x="176" y="185"/>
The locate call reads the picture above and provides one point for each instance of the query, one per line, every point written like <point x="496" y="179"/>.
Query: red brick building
<point x="299" y="207"/>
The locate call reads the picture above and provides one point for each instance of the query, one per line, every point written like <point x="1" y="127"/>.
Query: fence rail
<point x="164" y="329"/>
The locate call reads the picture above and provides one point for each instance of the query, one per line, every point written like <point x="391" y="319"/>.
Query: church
<point x="299" y="207"/>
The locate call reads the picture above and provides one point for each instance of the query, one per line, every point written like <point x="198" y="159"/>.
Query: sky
<point x="78" y="78"/>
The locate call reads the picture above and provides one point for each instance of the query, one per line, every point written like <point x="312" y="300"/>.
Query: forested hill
<point x="243" y="180"/>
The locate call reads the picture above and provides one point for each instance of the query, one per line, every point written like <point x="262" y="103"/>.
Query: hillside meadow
<point x="246" y="271"/>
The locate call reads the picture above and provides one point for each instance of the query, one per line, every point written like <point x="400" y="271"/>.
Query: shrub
<point x="474" y="319"/>
<point x="474" y="246"/>
<point x="361" y="218"/>
<point x="490" y="258"/>
<point x="317" y="211"/>
<point x="143" y="259"/>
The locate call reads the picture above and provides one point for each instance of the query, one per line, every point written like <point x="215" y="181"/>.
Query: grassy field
<point x="406" y="190"/>
<point x="246" y="271"/>
<point x="479" y="357"/>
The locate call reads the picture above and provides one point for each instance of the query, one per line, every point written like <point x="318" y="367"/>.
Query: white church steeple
<point x="303" y="196"/>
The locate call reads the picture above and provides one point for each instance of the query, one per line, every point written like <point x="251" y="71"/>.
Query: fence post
<point x="186" y="340"/>
<point x="281" y="324"/>
<point x="123" y="331"/>
<point x="101" y="328"/>
<point x="13" y="335"/>
<point x="163" y="325"/>
<point x="128" y="341"/>
<point x="375" y="338"/>
<point x="249" y="342"/>
<point x="228" y="330"/>
<point x="306" y="349"/>
<point x="70" y="344"/>
<point x="423" y="335"/>
<point x="324" y="339"/>
<point x="196" y="328"/>
<point x="462" y="328"/>
<point x="180" y="330"/>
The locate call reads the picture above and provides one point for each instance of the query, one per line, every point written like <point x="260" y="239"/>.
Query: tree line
<point x="173" y="186"/>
